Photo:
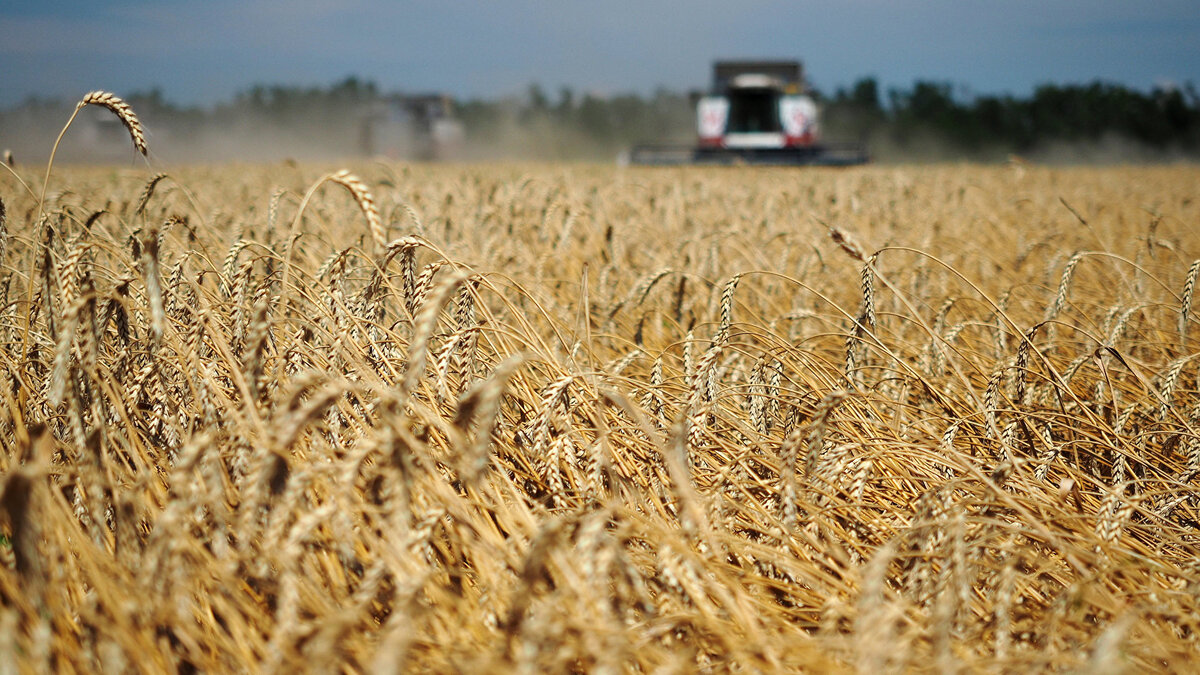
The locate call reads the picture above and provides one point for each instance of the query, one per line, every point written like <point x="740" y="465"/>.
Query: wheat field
<point x="571" y="418"/>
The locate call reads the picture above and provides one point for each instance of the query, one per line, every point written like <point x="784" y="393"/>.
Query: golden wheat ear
<point x="366" y="202"/>
<point x="119" y="107"/>
<point x="122" y="110"/>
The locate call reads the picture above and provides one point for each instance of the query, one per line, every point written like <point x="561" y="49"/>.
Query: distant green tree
<point x="565" y="108"/>
<point x="538" y="101"/>
<point x="865" y="95"/>
<point x="855" y="113"/>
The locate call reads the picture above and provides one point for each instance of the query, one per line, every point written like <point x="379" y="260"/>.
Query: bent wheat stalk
<point x="119" y="108"/>
<point x="365" y="202"/>
<point x="106" y="100"/>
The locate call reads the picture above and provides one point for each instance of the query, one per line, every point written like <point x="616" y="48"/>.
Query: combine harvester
<point x="757" y="113"/>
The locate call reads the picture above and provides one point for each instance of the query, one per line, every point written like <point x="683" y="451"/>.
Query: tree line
<point x="899" y="122"/>
<point x="1164" y="119"/>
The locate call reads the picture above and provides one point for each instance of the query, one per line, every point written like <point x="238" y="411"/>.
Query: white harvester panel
<point x="798" y="115"/>
<point x="712" y="113"/>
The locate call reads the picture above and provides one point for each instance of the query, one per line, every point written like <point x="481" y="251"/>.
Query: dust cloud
<point x="223" y="136"/>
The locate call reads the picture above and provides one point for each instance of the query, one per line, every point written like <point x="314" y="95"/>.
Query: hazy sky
<point x="199" y="50"/>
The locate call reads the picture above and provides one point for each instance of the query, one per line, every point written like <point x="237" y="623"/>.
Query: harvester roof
<point x="728" y="74"/>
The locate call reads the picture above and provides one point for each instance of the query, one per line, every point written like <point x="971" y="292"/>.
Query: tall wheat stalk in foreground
<point x="119" y="108"/>
<point x="586" y="419"/>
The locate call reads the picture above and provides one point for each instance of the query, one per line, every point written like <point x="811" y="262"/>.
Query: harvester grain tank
<point x="757" y="112"/>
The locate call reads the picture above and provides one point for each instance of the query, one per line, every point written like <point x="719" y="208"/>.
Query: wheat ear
<point x="122" y="110"/>
<point x="365" y="202"/>
<point x="148" y="192"/>
<point x="3" y="231"/>
<point x="1064" y="285"/>
<point x="1185" y="306"/>
<point x="105" y="100"/>
<point x="847" y="243"/>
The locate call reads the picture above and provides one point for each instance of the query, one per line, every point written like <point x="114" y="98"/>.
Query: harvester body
<point x="757" y="112"/>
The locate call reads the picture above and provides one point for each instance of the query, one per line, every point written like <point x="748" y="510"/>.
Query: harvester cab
<point x="757" y="105"/>
<point x="757" y="112"/>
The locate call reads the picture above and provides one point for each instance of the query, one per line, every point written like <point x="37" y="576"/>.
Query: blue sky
<point x="210" y="49"/>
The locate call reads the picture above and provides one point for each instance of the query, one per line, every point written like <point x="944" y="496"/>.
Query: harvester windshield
<point x="753" y="111"/>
